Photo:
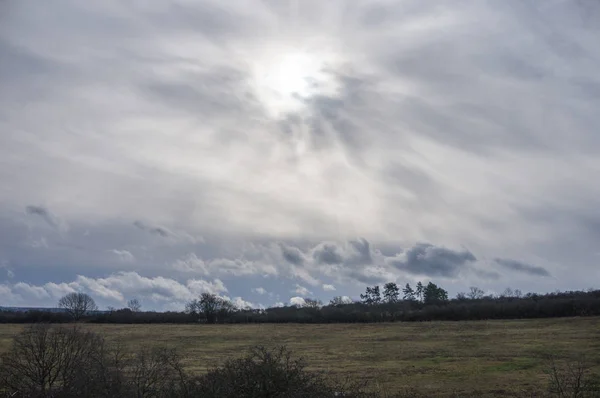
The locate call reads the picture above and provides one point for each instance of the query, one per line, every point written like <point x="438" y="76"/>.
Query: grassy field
<point x="440" y="358"/>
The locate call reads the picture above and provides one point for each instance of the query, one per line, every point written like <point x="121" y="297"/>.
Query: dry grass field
<point x="493" y="358"/>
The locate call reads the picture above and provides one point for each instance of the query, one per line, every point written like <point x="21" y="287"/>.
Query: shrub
<point x="268" y="373"/>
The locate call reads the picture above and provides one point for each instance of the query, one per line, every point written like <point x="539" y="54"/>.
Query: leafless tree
<point x="210" y="306"/>
<point x="77" y="304"/>
<point x="475" y="293"/>
<point x="134" y="305"/>
<point x="340" y="300"/>
<point x="312" y="303"/>
<point x="64" y="361"/>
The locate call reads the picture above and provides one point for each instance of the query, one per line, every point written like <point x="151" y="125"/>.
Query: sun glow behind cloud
<point x="284" y="78"/>
<point x="212" y="125"/>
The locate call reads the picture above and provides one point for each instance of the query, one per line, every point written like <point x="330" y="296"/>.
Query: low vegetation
<point x="520" y="358"/>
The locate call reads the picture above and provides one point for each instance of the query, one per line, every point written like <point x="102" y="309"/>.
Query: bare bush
<point x="156" y="372"/>
<point x="64" y="361"/>
<point x="267" y="373"/>
<point x="47" y="361"/>
<point x="572" y="379"/>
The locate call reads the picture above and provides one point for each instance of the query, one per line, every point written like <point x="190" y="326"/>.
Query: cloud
<point x="429" y="260"/>
<point x="199" y="286"/>
<point x="124" y="255"/>
<point x="154" y="292"/>
<point x="222" y="266"/>
<point x="292" y="255"/>
<point x="191" y="263"/>
<point x="328" y="288"/>
<point x="240" y="303"/>
<point x="401" y="126"/>
<point x="160" y="231"/>
<point x="327" y="253"/>
<point x="298" y="301"/>
<point x="259" y="290"/>
<point x="163" y="232"/>
<point x="47" y="216"/>
<point x="301" y="290"/>
<point x="519" y="266"/>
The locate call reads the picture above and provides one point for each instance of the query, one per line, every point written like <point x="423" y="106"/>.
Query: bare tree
<point x="45" y="361"/>
<point x="475" y="293"/>
<point x="211" y="306"/>
<point x="77" y="304"/>
<point x="340" y="300"/>
<point x="312" y="303"/>
<point x="134" y="305"/>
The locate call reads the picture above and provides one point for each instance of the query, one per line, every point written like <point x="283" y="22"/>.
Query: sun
<point x="292" y="74"/>
<point x="285" y="80"/>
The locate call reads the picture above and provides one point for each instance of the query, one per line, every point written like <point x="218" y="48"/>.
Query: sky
<point x="270" y="151"/>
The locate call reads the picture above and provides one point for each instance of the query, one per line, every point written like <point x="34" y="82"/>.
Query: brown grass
<point x="494" y="358"/>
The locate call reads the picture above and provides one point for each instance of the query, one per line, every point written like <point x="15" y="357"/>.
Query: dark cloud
<point x="327" y="253"/>
<point x="44" y="213"/>
<point x="219" y="91"/>
<point x="361" y="252"/>
<point x="292" y="255"/>
<point x="519" y="266"/>
<point x="430" y="260"/>
<point x="153" y="230"/>
<point x="366" y="277"/>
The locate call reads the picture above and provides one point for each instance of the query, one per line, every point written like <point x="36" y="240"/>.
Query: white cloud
<point x="259" y="290"/>
<point x="157" y="292"/>
<point x="301" y="290"/>
<point x="27" y="290"/>
<point x="328" y="288"/>
<point x="199" y="286"/>
<point x="299" y="301"/>
<point x="124" y="255"/>
<point x="243" y="304"/>
<point x="222" y="266"/>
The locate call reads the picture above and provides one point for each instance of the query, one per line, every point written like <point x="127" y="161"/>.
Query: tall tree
<point x="372" y="295"/>
<point x="77" y="304"/>
<point x="409" y="293"/>
<point x="433" y="294"/>
<point x="420" y="291"/>
<point x="391" y="292"/>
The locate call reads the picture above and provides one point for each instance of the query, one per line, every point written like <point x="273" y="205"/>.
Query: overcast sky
<point x="270" y="150"/>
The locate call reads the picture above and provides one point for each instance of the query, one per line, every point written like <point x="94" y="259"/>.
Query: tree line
<point x="389" y="303"/>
